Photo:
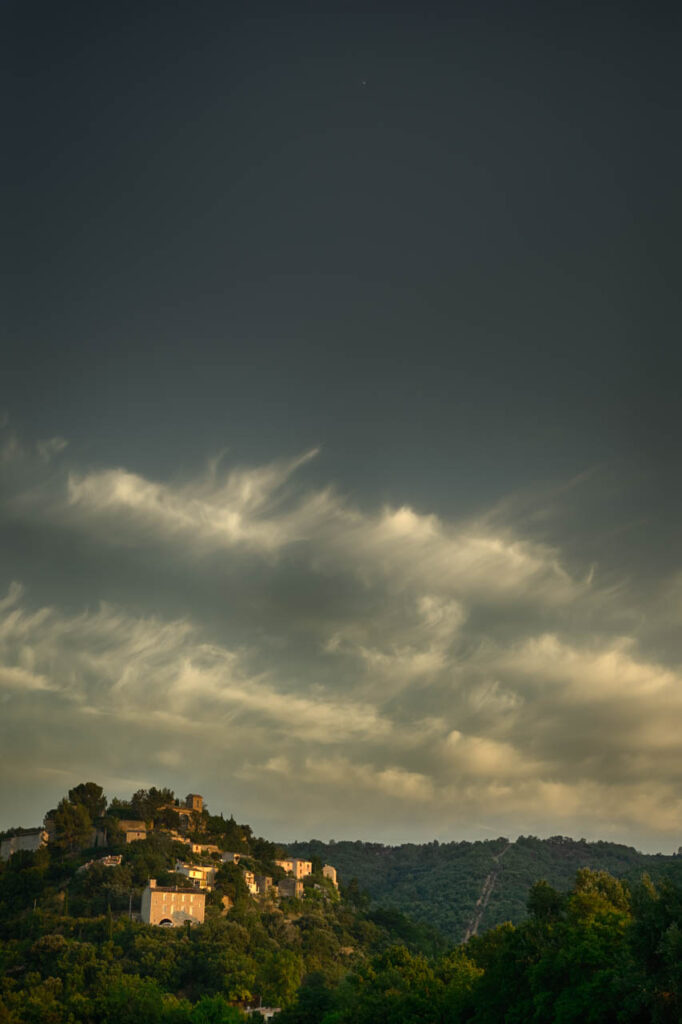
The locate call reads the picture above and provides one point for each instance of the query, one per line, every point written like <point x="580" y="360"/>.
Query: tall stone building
<point x="170" y="906"/>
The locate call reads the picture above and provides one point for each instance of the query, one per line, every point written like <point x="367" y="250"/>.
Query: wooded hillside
<point x="440" y="883"/>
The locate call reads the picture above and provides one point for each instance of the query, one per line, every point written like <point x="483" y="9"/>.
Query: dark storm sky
<point x="439" y="244"/>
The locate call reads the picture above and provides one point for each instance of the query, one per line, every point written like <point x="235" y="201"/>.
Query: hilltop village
<point x="198" y="840"/>
<point x="154" y="909"/>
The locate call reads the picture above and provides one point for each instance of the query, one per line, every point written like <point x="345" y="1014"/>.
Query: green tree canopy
<point x="73" y="826"/>
<point x="90" y="796"/>
<point x="146" y="802"/>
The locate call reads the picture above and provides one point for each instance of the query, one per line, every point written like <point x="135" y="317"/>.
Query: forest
<point x="439" y="883"/>
<point x="607" y="951"/>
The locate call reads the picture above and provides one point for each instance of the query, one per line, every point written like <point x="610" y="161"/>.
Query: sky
<point x="339" y="415"/>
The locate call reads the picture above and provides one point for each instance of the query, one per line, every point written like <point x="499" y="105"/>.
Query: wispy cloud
<point x="262" y="510"/>
<point x="109" y="663"/>
<point x="14" y="450"/>
<point x="243" y="507"/>
<point x="357" y="658"/>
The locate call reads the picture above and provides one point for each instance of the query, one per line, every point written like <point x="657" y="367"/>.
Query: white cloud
<point x="260" y="509"/>
<point x="210" y="513"/>
<point x="16" y="677"/>
<point x="464" y="560"/>
<point x="391" y="781"/>
<point x="306" y="717"/>
<point x="491" y="698"/>
<point x="480" y="757"/>
<point x="112" y="664"/>
<point x="397" y="652"/>
<point x="589" y="675"/>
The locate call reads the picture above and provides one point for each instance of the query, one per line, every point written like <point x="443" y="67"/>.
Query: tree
<point x="146" y="802"/>
<point x="544" y="902"/>
<point x="167" y="817"/>
<point x="281" y="976"/>
<point x="73" y="826"/>
<point x="215" y="1010"/>
<point x="239" y="977"/>
<point x="131" y="1000"/>
<point x="313" y="1001"/>
<point x="119" y="809"/>
<point x="359" y="899"/>
<point x="90" y="796"/>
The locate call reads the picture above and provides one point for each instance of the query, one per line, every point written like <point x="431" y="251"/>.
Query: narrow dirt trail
<point x="484" y="898"/>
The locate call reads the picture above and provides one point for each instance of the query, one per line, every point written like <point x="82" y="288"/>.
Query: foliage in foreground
<point x="603" y="953"/>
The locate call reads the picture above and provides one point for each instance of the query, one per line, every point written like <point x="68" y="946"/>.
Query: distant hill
<point x="465" y="887"/>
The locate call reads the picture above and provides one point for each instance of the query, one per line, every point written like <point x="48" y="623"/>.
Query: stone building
<point x="112" y="860"/>
<point x="31" y="840"/>
<point x="296" y="866"/>
<point x="177" y="837"/>
<point x="132" y="830"/>
<point x="290" y="888"/>
<point x="193" y="805"/>
<point x="170" y="906"/>
<point x="99" y="836"/>
<point x="204" y="848"/>
<point x="263" y="884"/>
<point x="200" y="876"/>
<point x="250" y="882"/>
<point x="330" y="872"/>
<point x="230" y="858"/>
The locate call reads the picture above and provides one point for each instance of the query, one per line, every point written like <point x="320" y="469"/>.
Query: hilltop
<point x="74" y="945"/>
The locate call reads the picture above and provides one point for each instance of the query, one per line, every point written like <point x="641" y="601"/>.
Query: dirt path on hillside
<point x="484" y="898"/>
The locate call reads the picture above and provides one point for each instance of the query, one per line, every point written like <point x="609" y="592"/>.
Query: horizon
<point x="470" y="837"/>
